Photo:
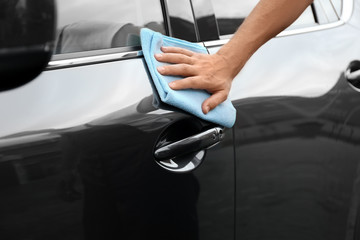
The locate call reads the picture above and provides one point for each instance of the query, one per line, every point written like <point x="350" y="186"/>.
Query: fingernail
<point x="172" y="85"/>
<point x="207" y="109"/>
<point x="161" y="69"/>
<point x="158" y="55"/>
<point x="163" y="48"/>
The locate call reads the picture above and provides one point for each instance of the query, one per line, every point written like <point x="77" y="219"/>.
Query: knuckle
<point x="178" y="58"/>
<point x="163" y="70"/>
<point x="166" y="56"/>
<point x="192" y="81"/>
<point x="225" y="96"/>
<point x="191" y="60"/>
<point x="166" y="69"/>
<point x="222" y="98"/>
<point x="212" y="104"/>
<point x="163" y="58"/>
<point x="184" y="68"/>
<point x="182" y="51"/>
<point x="185" y="59"/>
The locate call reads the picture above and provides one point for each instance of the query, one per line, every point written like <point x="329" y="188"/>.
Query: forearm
<point x="268" y="18"/>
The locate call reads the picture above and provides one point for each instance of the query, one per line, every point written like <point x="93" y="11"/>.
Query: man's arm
<point x="215" y="72"/>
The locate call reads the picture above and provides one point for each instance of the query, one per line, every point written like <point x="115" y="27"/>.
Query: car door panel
<point x="77" y="157"/>
<point x="297" y="137"/>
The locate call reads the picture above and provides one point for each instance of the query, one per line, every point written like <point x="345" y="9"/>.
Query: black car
<point x="85" y="153"/>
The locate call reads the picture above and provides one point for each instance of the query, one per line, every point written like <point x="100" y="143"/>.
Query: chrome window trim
<point x="348" y="7"/>
<point x="101" y="58"/>
<point x="80" y="61"/>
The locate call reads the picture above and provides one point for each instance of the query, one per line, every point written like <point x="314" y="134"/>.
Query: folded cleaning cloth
<point x="189" y="100"/>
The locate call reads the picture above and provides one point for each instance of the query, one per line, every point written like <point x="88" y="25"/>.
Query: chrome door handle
<point x="195" y="143"/>
<point x="352" y="74"/>
<point x="355" y="75"/>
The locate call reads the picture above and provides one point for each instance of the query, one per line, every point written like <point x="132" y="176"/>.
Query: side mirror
<point x="27" y="33"/>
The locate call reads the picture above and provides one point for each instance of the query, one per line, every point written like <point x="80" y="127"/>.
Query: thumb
<point x="214" y="100"/>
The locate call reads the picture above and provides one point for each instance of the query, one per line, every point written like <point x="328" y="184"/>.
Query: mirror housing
<point x="27" y="33"/>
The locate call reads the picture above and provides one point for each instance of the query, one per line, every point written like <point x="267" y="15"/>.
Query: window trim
<point x="60" y="61"/>
<point x="86" y="58"/>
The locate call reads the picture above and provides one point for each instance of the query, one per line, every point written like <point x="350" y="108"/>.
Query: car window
<point x="85" y="25"/>
<point x="192" y="20"/>
<point x="231" y="13"/>
<point x="181" y="20"/>
<point x="328" y="10"/>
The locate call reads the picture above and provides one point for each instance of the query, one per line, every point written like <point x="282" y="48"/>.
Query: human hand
<point x="200" y="71"/>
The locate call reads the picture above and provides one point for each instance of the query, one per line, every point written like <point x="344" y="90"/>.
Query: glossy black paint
<point x="101" y="181"/>
<point x="303" y="184"/>
<point x="297" y="138"/>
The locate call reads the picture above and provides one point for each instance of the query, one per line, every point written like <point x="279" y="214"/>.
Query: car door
<point x="77" y="143"/>
<point x="297" y="128"/>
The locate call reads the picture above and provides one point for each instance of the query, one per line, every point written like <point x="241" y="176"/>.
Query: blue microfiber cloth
<point x="189" y="100"/>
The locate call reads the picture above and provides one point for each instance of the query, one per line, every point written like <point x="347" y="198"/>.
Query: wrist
<point x="231" y="61"/>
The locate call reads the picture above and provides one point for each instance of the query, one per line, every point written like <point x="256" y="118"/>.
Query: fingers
<point x="213" y="101"/>
<point x="174" y="58"/>
<point x="177" y="50"/>
<point x="184" y="70"/>
<point x="189" y="82"/>
<point x="181" y="58"/>
<point x="192" y="82"/>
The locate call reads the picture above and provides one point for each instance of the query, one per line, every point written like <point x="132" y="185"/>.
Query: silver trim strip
<point x="347" y="10"/>
<point x="65" y="63"/>
<point x="217" y="43"/>
<point x="80" y="61"/>
<point x="311" y="29"/>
